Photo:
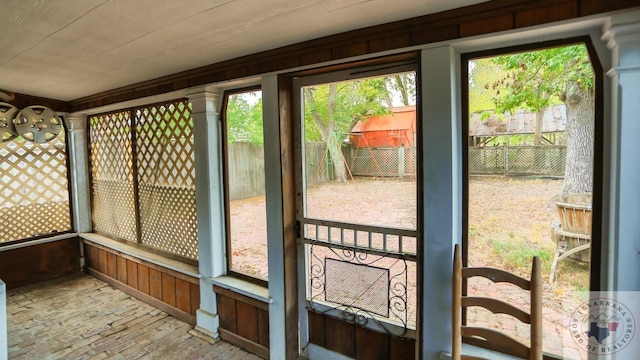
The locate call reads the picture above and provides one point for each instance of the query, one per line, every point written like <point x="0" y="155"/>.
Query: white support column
<point x="80" y="189"/>
<point x="275" y="222"/>
<point x="4" y="346"/>
<point x="623" y="36"/>
<point x="442" y="188"/>
<point x="209" y="203"/>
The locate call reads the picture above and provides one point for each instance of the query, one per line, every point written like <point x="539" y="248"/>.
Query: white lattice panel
<point x="166" y="178"/>
<point x="114" y="209"/>
<point x="164" y="162"/>
<point x="168" y="219"/>
<point x="25" y="221"/>
<point x="112" y="175"/>
<point x="34" y="198"/>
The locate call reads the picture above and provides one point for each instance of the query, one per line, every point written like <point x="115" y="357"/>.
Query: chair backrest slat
<point x="497" y="276"/>
<point x="497" y="307"/>
<point x="499" y="341"/>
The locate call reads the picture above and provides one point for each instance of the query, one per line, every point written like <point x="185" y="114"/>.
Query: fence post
<point x="401" y="157"/>
<point x="505" y="159"/>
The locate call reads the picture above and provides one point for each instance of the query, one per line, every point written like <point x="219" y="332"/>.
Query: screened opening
<point x="357" y="202"/>
<point x="143" y="177"/>
<point x="246" y="212"/>
<point x="530" y="165"/>
<point x="34" y="201"/>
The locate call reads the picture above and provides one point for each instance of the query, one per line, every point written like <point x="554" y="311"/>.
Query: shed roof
<point x="402" y="118"/>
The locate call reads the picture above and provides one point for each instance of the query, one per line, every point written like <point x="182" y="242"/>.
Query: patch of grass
<point x="517" y="256"/>
<point x="574" y="275"/>
<point x="474" y="233"/>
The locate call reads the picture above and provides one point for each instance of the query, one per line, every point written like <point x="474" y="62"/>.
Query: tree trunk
<point x="335" y="153"/>
<point x="538" y="156"/>
<point x="578" y="175"/>
<point x="402" y="86"/>
<point x="537" y="140"/>
<point x="327" y="132"/>
<point x="331" y="139"/>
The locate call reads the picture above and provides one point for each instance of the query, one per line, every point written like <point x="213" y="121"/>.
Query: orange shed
<point x="390" y="130"/>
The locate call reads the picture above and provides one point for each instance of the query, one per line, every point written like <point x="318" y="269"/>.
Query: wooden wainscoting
<point x="244" y="321"/>
<point x="355" y="341"/>
<point x="29" y="264"/>
<point x="173" y="292"/>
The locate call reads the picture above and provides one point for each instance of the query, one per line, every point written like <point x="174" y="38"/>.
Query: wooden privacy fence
<point x="518" y="160"/>
<point x="246" y="167"/>
<point x="246" y="163"/>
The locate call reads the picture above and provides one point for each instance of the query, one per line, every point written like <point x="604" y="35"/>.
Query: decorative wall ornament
<point x="6" y="96"/>
<point x="7" y="114"/>
<point x="35" y="123"/>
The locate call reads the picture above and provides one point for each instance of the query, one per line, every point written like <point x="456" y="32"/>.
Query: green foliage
<point x="537" y="79"/>
<point x="481" y="73"/>
<point x="244" y="118"/>
<point x="336" y="107"/>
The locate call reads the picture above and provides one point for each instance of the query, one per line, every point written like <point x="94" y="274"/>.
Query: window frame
<point x="226" y="184"/>
<point x="595" y="269"/>
<point x="376" y="67"/>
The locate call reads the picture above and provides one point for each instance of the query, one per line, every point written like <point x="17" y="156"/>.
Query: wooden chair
<point x="483" y="336"/>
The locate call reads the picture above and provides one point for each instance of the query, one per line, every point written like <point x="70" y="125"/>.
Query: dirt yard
<point x="509" y="223"/>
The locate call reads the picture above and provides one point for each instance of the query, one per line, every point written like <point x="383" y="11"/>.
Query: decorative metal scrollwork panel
<point x="362" y="287"/>
<point x="357" y="285"/>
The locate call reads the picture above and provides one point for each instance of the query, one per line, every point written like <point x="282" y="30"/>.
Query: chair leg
<point x="557" y="258"/>
<point x="556" y="239"/>
<point x="554" y="264"/>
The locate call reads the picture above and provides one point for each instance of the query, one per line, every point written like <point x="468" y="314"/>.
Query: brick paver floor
<point x="81" y="317"/>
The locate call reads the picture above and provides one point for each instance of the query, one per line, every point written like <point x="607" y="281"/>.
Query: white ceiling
<point x="67" y="49"/>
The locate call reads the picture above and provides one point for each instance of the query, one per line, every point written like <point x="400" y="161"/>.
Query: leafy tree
<point x="483" y="73"/>
<point x="533" y="81"/>
<point x="332" y="109"/>
<point x="244" y="118"/>
<point x="536" y="80"/>
<point x="404" y="86"/>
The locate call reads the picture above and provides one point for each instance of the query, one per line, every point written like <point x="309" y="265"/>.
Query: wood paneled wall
<point x="34" y="263"/>
<point x="244" y="321"/>
<point x="168" y="290"/>
<point x="478" y="19"/>
<point x="357" y="342"/>
<point x="21" y="101"/>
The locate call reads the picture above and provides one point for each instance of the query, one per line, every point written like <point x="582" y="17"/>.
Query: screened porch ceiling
<point x="67" y="49"/>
